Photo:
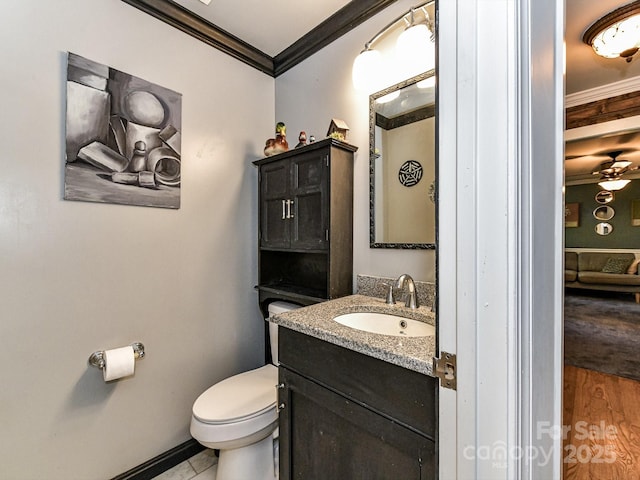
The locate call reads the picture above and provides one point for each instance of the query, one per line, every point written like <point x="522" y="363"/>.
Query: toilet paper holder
<point x="96" y="359"/>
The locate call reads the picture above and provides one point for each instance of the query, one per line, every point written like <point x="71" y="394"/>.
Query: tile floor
<point x="202" y="466"/>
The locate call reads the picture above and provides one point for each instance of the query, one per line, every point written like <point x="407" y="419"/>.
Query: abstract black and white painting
<point x="123" y="138"/>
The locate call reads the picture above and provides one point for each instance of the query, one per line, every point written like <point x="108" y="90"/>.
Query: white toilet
<point x="238" y="416"/>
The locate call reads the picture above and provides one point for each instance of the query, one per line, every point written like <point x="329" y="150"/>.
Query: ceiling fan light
<point x="613" y="184"/>
<point x="620" y="164"/>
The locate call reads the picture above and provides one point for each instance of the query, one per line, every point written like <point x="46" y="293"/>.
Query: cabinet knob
<point x="281" y="407"/>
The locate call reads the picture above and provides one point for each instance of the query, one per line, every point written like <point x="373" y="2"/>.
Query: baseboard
<point x="162" y="462"/>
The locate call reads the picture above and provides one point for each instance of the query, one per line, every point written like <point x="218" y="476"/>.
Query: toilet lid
<point x="240" y="397"/>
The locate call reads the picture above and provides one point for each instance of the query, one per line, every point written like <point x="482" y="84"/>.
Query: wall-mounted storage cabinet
<point x="293" y="192"/>
<point x="305" y="234"/>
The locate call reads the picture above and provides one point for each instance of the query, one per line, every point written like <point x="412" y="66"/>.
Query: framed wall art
<point x="635" y="213"/>
<point x="123" y="138"/>
<point x="572" y="215"/>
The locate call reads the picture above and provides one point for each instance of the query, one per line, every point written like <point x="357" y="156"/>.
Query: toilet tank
<point x="273" y="309"/>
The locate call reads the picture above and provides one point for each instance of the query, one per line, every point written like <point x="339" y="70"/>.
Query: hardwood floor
<point x="602" y="426"/>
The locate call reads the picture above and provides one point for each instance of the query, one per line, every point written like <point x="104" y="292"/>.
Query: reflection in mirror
<point x="402" y="126"/>
<point x="604" y="228"/>
<point x="604" y="196"/>
<point x="604" y="213"/>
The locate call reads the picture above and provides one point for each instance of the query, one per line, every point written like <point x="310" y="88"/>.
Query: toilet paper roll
<point x="119" y="362"/>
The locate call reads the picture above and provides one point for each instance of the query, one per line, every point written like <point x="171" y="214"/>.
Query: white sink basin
<point x="385" y="324"/>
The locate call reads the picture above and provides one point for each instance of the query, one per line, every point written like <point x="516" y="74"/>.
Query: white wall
<point x="320" y="88"/>
<point x="78" y="277"/>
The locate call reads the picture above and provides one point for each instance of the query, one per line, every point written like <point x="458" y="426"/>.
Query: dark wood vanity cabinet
<point x="350" y="416"/>
<point x="305" y="251"/>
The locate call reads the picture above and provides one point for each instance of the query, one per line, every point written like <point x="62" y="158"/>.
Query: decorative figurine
<point x="338" y="129"/>
<point x="312" y="139"/>
<point x="279" y="144"/>
<point x="302" y="139"/>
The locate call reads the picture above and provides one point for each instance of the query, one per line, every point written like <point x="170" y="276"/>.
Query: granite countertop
<point x="413" y="353"/>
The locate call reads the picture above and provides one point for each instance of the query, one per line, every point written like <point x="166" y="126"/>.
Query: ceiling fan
<point x="611" y="171"/>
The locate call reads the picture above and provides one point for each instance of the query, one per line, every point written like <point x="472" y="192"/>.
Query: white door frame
<point x="500" y="236"/>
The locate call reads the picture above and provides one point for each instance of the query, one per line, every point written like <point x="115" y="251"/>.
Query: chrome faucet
<point x="411" y="297"/>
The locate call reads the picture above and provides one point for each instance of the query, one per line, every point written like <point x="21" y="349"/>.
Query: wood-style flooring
<point x="602" y="426"/>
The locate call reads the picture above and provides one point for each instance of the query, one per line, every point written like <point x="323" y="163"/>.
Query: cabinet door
<point x="275" y="227"/>
<point x="309" y="189"/>
<point x="324" y="435"/>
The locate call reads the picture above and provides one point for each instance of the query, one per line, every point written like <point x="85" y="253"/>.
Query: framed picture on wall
<point x="572" y="215"/>
<point x="635" y="213"/>
<point x="123" y="140"/>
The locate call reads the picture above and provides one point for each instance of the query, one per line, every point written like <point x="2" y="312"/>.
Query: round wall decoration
<point x="410" y="173"/>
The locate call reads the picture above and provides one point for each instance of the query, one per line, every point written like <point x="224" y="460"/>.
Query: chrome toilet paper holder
<point x="96" y="359"/>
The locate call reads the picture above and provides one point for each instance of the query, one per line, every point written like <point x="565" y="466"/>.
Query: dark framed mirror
<point x="402" y="164"/>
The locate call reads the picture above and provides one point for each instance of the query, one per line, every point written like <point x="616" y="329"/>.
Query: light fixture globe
<point x="389" y="97"/>
<point x="414" y="53"/>
<point x="415" y="50"/>
<point x="367" y="71"/>
<point x="617" y="34"/>
<point x="613" y="184"/>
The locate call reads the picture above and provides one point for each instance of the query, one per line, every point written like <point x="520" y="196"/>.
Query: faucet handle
<point x="390" y="300"/>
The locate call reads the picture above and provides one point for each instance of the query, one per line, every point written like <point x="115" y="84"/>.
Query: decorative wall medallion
<point x="410" y="173"/>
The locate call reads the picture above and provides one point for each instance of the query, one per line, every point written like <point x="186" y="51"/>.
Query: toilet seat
<point x="238" y="398"/>
<point x="237" y="411"/>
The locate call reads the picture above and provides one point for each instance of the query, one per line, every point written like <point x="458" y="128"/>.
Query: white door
<point x="500" y="237"/>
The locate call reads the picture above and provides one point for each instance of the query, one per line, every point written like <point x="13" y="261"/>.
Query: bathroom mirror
<point x="604" y="196"/>
<point x="402" y="164"/>
<point x="604" y="213"/>
<point x="604" y="228"/>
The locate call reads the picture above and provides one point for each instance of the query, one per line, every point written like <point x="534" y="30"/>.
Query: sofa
<point x="613" y="272"/>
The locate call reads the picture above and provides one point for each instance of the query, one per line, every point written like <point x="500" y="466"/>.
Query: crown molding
<point x="343" y="21"/>
<point x="179" y="17"/>
<point x="604" y="91"/>
<point x="348" y="17"/>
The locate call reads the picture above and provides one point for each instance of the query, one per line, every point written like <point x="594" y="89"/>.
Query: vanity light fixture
<point x="414" y="52"/>
<point x="617" y="34"/>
